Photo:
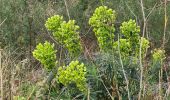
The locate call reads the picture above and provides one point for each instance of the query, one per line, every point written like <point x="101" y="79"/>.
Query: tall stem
<point x="1" y="74"/>
<point x="140" y="52"/>
<point x="124" y="73"/>
<point x="67" y="9"/>
<point x="165" y="23"/>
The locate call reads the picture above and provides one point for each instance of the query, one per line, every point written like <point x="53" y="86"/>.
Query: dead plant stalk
<point x="124" y="73"/>
<point x="140" y="50"/>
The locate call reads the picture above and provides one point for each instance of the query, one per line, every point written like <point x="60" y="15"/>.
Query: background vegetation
<point x="22" y="27"/>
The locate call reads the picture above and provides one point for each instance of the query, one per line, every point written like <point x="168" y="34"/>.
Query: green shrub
<point x="46" y="54"/>
<point x="130" y="31"/>
<point x="66" y="33"/>
<point x="158" y="55"/>
<point x="125" y="47"/>
<point x="54" y="23"/>
<point x="73" y="73"/>
<point x="106" y="76"/>
<point x="103" y="22"/>
<point x="145" y="45"/>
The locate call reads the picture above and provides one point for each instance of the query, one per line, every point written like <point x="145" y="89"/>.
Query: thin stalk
<point x="163" y="46"/>
<point x="121" y="62"/>
<point x="140" y="51"/>
<point x="3" y="21"/>
<point x="165" y="23"/>
<point x="107" y="89"/>
<point x="160" y="87"/>
<point x="161" y="75"/>
<point x="88" y="95"/>
<point x="1" y="74"/>
<point x="32" y="92"/>
<point x="67" y="9"/>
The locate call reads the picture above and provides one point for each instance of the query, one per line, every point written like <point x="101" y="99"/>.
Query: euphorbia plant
<point x="75" y="72"/>
<point x="130" y="31"/>
<point x="102" y="21"/>
<point x="156" y="69"/>
<point x="66" y="33"/>
<point x="46" y="54"/>
<point x="158" y="55"/>
<point x="125" y="47"/>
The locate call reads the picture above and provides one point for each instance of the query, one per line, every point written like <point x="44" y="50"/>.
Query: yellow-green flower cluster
<point x="130" y="29"/>
<point x="54" y="23"/>
<point x="66" y="33"/>
<point x="103" y="23"/>
<point x="124" y="47"/>
<point x="46" y="54"/>
<point x="145" y="45"/>
<point x="158" y="55"/>
<point x="73" y="73"/>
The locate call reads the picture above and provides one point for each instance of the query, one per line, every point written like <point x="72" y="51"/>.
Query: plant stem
<point x="1" y="74"/>
<point x="3" y="21"/>
<point x="165" y="23"/>
<point x="121" y="62"/>
<point x="140" y="51"/>
<point x="67" y="9"/>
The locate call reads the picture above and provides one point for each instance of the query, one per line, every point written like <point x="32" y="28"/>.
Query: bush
<point x="110" y="71"/>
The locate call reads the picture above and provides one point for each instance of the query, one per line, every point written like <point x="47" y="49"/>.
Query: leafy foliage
<point x="107" y="76"/>
<point x="46" y="54"/>
<point x="104" y="72"/>
<point x="66" y="33"/>
<point x="131" y="31"/>
<point x="73" y="73"/>
<point x="19" y="98"/>
<point x="54" y="23"/>
<point x="145" y="45"/>
<point x="158" y="55"/>
<point x="125" y="47"/>
<point x="103" y="22"/>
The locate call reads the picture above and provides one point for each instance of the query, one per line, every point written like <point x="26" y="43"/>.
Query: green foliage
<point x="106" y="70"/>
<point x="66" y="33"/>
<point x="131" y="31"/>
<point x="46" y="54"/>
<point x="145" y="45"/>
<point x="158" y="55"/>
<point x="125" y="47"/>
<point x="73" y="73"/>
<point x="54" y="23"/>
<point x="103" y="22"/>
<point x="19" y="98"/>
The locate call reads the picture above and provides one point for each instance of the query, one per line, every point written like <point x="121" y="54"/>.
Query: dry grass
<point x="15" y="73"/>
